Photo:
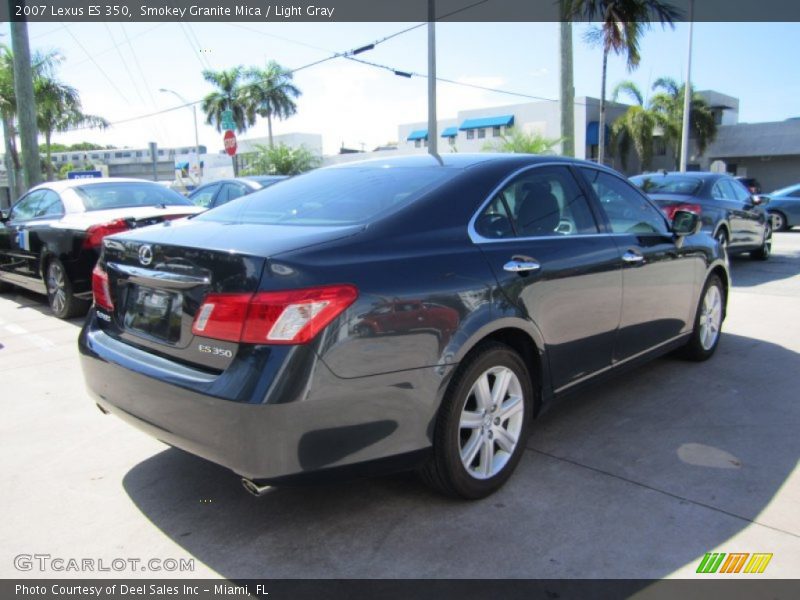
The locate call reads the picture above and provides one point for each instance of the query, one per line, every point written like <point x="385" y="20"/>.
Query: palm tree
<point x="634" y="128"/>
<point x="622" y="24"/>
<point x="270" y="93"/>
<point x="43" y="65"/>
<point x="229" y="95"/>
<point x="667" y="107"/>
<point x="523" y="143"/>
<point x="58" y="108"/>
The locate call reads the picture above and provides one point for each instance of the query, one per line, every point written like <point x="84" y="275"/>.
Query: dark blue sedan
<point x="736" y="218"/>
<point x="397" y="314"/>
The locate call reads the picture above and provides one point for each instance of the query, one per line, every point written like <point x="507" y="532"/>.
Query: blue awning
<point x="592" y="139"/>
<point x="450" y="132"/>
<point x="419" y="134"/>
<point x="480" y="123"/>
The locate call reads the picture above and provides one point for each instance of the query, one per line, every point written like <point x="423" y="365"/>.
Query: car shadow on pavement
<point x="747" y="272"/>
<point x="27" y="300"/>
<point x="635" y="478"/>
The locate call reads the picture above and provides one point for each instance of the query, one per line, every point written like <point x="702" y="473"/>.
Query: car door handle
<point x="633" y="256"/>
<point x="521" y="266"/>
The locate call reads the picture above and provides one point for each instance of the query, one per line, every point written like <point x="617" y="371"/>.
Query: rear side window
<point x="104" y="196"/>
<point x="338" y="196"/>
<point x="668" y="184"/>
<point x="230" y="191"/>
<point x="628" y="211"/>
<point x="543" y="201"/>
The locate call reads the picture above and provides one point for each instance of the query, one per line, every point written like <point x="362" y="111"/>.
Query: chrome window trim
<point x="479" y="239"/>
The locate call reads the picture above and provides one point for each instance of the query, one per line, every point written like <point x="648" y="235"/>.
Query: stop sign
<point x="229" y="139"/>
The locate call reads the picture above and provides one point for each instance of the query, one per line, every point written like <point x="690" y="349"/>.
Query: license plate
<point x="154" y="312"/>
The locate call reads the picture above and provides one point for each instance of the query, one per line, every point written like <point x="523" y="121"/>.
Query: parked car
<point x="736" y="219"/>
<point x="784" y="207"/>
<point x="238" y="335"/>
<point x="50" y="238"/>
<point x="223" y="191"/>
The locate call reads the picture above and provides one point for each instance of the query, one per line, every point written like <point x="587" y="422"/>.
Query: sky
<point x="118" y="68"/>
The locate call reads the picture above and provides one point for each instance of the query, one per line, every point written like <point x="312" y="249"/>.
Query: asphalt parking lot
<point x="637" y="478"/>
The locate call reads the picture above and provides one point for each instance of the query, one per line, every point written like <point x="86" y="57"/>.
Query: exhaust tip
<point x="253" y="488"/>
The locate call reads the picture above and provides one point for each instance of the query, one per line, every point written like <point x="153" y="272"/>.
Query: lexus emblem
<point x="145" y="254"/>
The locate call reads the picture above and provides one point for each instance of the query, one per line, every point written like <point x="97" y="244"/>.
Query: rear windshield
<point x="344" y="196"/>
<point x="104" y="196"/>
<point x="668" y="184"/>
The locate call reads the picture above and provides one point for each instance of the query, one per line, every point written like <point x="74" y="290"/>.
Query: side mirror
<point x="759" y="200"/>
<point x="685" y="223"/>
<point x="4" y="215"/>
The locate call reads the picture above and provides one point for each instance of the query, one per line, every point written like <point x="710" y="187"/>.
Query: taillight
<point x="671" y="209"/>
<point x="101" y="289"/>
<point x="96" y="233"/>
<point x="285" y="317"/>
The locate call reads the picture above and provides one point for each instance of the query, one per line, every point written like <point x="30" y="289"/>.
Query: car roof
<point x="695" y="174"/>
<point x="66" y="184"/>
<point x="465" y="161"/>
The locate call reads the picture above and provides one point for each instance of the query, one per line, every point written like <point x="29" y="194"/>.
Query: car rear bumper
<point x="306" y="422"/>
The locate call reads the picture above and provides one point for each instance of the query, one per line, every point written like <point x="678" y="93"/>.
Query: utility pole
<point x="567" y="89"/>
<point x="433" y="134"/>
<point x="196" y="136"/>
<point x="26" y="106"/>
<point x="687" y="96"/>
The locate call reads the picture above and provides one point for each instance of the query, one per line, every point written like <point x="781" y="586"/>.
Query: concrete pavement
<point x="638" y="477"/>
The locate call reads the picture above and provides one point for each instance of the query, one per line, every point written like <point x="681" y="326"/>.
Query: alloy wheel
<point x="56" y="287"/>
<point x="710" y="317"/>
<point x="778" y="222"/>
<point x="491" y="422"/>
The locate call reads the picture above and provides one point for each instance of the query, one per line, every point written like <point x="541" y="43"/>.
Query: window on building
<point x="659" y="146"/>
<point x="417" y="143"/>
<point x="496" y="132"/>
<point x="470" y="134"/>
<point x="425" y="142"/>
<point x="452" y="140"/>
<point x="481" y="133"/>
<point x="139" y="154"/>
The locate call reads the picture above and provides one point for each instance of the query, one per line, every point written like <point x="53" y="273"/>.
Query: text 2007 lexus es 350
<point x="394" y="314"/>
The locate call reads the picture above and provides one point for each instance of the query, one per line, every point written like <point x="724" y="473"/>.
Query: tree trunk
<point x="26" y="104"/>
<point x="11" y="167"/>
<point x="269" y="128"/>
<point x="48" y="164"/>
<point x="601" y="124"/>
<point x="567" y="93"/>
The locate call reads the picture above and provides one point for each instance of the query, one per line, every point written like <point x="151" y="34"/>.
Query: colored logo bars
<point x="716" y="562"/>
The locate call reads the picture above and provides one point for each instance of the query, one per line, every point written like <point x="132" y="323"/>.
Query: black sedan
<point x="223" y="191"/>
<point x="50" y="238"/>
<point x="728" y="211"/>
<point x="238" y="334"/>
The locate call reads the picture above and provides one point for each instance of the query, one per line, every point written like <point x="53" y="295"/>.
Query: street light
<point x="194" y="120"/>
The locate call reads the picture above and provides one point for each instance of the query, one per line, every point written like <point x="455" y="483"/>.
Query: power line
<point x="124" y="64"/>
<point x="96" y="64"/>
<point x="111" y="48"/>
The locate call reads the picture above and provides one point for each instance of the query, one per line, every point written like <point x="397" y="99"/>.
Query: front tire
<point x="708" y="322"/>
<point x="483" y="424"/>
<point x="62" y="301"/>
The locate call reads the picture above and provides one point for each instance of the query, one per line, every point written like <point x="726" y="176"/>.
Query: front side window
<point x="740" y="192"/>
<point x="541" y="202"/>
<point x="627" y="209"/>
<point x="205" y="195"/>
<point x="25" y="208"/>
<point x="230" y="191"/>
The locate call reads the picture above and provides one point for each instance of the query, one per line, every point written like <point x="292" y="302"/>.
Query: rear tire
<point x="779" y="221"/>
<point x="482" y="425"/>
<point x="62" y="301"/>
<point x="707" y="322"/>
<point x="766" y="247"/>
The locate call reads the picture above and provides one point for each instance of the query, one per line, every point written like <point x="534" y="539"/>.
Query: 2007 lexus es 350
<point x="394" y="314"/>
